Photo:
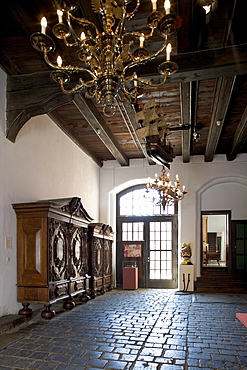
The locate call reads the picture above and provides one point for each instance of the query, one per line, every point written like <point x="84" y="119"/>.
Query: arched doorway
<point x="147" y="235"/>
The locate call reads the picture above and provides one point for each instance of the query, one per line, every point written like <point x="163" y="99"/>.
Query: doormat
<point x="243" y="318"/>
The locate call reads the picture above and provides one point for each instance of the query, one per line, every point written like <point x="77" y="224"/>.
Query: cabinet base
<point x="48" y="313"/>
<point x="26" y="311"/>
<point x="68" y="304"/>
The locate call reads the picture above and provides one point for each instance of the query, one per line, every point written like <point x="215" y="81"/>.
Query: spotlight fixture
<point x="106" y="61"/>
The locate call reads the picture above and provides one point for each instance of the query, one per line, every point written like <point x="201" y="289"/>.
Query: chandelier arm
<point x="68" y="15"/>
<point x="127" y="95"/>
<point x="137" y="34"/>
<point x="146" y="82"/>
<point x="75" y="89"/>
<point x="142" y="81"/>
<point x="67" y="68"/>
<point x="130" y="15"/>
<point x="81" y="21"/>
<point x="120" y="28"/>
<point x="70" y="45"/>
<point x="144" y="60"/>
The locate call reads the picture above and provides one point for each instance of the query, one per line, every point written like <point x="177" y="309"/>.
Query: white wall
<point x="43" y="163"/>
<point x="218" y="185"/>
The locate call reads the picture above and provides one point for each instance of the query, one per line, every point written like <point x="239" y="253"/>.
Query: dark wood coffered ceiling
<point x="209" y="91"/>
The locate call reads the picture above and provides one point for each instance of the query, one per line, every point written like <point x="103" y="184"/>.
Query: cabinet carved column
<point x="52" y="253"/>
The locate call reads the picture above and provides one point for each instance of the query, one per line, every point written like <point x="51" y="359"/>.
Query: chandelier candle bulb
<point x="142" y="38"/>
<point x="168" y="52"/>
<point x="167" y="6"/>
<point x="59" y="61"/>
<point x="60" y="16"/>
<point x="154" y="5"/>
<point x="135" y="81"/>
<point x="83" y="36"/>
<point x="43" y="25"/>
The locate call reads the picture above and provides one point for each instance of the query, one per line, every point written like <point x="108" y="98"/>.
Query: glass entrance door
<point x="162" y="256"/>
<point x="147" y="236"/>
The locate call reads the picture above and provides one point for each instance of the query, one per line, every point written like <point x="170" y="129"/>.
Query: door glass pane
<point x="240" y="231"/>
<point x="240" y="246"/>
<point x="240" y="262"/>
<point x="132" y="231"/>
<point x="140" y="203"/>
<point x="160" y="266"/>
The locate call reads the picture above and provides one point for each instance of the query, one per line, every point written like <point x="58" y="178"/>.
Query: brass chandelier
<point x="106" y="61"/>
<point x="168" y="193"/>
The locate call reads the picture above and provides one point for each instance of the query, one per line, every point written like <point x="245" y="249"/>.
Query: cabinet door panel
<point x="32" y="257"/>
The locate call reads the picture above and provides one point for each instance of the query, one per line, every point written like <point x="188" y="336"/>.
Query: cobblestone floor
<point x="142" y="329"/>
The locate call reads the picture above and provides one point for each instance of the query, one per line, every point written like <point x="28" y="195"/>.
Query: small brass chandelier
<point x="168" y="193"/>
<point x="106" y="61"/>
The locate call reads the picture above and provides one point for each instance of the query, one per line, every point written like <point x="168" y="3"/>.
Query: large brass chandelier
<point x="107" y="58"/>
<point x="168" y="193"/>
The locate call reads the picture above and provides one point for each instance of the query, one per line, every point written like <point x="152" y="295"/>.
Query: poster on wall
<point x="132" y="250"/>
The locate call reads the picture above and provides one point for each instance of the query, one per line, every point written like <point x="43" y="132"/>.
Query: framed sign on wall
<point x="132" y="250"/>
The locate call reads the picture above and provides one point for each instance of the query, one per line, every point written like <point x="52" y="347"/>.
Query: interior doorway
<point x="215" y="239"/>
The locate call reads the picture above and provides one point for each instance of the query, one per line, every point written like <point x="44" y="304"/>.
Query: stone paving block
<point x="58" y="358"/>
<point x="145" y="358"/>
<point x="174" y="354"/>
<point x="41" y="365"/>
<point x="93" y="354"/>
<point x="171" y="367"/>
<point x="105" y="348"/>
<point x="140" y="365"/>
<point x="147" y="351"/>
<point x="121" y="350"/>
<point x="23" y="363"/>
<point x="96" y="362"/>
<point x="38" y="355"/>
<point x="128" y="358"/>
<point x="116" y="365"/>
<point x="68" y="367"/>
<point x="110" y="356"/>
<point x="7" y="360"/>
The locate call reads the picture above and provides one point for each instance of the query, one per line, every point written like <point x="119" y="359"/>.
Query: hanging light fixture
<point x="106" y="60"/>
<point x="168" y="193"/>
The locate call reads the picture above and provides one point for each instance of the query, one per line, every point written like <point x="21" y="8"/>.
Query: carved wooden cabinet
<point x="52" y="253"/>
<point x="100" y="239"/>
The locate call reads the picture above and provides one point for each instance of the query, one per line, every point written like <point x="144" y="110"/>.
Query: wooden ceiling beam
<point x="223" y="95"/>
<point x="128" y="113"/>
<point x="200" y="65"/>
<point x="88" y="110"/>
<point x="29" y="96"/>
<point x="64" y="127"/>
<point x="203" y="64"/>
<point x="185" y="98"/>
<point x="239" y="138"/>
